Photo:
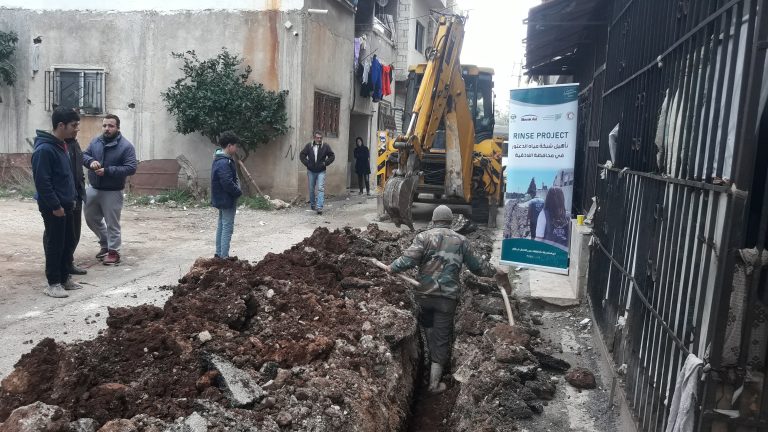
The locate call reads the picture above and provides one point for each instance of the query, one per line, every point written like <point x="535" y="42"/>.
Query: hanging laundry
<point x="386" y="89"/>
<point x="376" y="73"/>
<point x="682" y="410"/>
<point x="366" y="72"/>
<point x="359" y="72"/>
<point x="358" y="42"/>
<point x="365" y="87"/>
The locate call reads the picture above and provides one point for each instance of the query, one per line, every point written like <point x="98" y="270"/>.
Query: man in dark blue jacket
<point x="225" y="190"/>
<point x="56" y="195"/>
<point x="110" y="159"/>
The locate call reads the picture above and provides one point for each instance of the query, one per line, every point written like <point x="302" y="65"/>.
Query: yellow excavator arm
<point x="441" y="99"/>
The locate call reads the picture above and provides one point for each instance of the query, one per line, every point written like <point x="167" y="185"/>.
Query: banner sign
<point x="541" y="157"/>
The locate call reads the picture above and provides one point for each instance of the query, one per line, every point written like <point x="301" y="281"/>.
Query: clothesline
<point x="370" y="54"/>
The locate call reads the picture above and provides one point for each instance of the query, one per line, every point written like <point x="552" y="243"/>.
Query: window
<point x="386" y="117"/>
<point x="326" y="115"/>
<point x="384" y="18"/>
<point x="419" y="37"/>
<point x="83" y="89"/>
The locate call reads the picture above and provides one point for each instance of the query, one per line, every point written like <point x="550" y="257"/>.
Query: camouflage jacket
<point x="439" y="253"/>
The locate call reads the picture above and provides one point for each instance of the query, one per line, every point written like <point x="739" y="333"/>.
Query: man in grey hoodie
<point x="56" y="195"/>
<point x="110" y="159"/>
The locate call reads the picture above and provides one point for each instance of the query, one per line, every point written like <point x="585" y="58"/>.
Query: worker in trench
<point x="440" y="253"/>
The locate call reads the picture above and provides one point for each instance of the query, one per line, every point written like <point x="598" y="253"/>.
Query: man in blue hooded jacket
<point x="110" y="159"/>
<point x="56" y="195"/>
<point x="225" y="190"/>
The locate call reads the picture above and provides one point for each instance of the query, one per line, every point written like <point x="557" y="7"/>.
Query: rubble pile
<point x="504" y="373"/>
<point x="315" y="338"/>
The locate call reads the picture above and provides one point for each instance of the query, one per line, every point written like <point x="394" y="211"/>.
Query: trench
<point x="430" y="412"/>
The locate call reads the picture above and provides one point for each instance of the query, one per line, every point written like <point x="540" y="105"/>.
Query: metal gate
<point x="680" y="93"/>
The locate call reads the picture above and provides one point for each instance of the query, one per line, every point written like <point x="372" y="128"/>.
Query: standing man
<point x="111" y="159"/>
<point x="439" y="253"/>
<point x="56" y="195"/>
<point x="76" y="159"/>
<point x="225" y="190"/>
<point x="316" y="156"/>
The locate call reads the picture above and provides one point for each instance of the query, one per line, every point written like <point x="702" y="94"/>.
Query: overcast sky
<point x="494" y="38"/>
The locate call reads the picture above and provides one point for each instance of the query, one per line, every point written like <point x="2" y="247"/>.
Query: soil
<point x="354" y="349"/>
<point x="159" y="246"/>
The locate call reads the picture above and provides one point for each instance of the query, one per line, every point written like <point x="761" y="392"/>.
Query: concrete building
<point x="118" y="57"/>
<point x="414" y="39"/>
<point x="375" y="23"/>
<point x="397" y="33"/>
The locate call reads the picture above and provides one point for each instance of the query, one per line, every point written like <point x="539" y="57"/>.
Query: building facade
<point x="397" y="33"/>
<point x="117" y="58"/>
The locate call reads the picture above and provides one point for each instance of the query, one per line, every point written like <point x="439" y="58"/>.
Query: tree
<point x="7" y="48"/>
<point x="532" y="187"/>
<point x="214" y="96"/>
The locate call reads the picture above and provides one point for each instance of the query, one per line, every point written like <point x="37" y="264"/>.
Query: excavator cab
<point x="479" y="84"/>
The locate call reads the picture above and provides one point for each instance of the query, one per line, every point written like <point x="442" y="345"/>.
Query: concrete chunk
<point x="238" y="386"/>
<point x="194" y="423"/>
<point x="37" y="417"/>
<point x="83" y="425"/>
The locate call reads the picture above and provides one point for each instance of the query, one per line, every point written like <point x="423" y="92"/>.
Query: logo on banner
<point x="529" y="118"/>
<point x="570" y="115"/>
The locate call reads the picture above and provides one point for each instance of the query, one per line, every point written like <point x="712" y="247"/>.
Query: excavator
<point x="447" y="151"/>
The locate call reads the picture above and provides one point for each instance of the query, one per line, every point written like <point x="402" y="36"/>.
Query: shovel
<point x="413" y="282"/>
<point x="503" y="281"/>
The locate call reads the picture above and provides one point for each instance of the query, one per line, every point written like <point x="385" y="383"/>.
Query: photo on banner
<point x="540" y="174"/>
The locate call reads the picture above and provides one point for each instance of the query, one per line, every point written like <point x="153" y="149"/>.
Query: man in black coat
<point x="316" y="156"/>
<point x="76" y="157"/>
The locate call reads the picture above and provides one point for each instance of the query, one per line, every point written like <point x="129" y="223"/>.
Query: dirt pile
<point x="501" y="374"/>
<point x="313" y="338"/>
<point x="504" y="377"/>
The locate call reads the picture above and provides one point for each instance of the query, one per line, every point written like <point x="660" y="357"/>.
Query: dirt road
<point x="159" y="246"/>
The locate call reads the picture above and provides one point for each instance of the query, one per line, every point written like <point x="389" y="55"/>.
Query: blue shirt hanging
<point x="376" y="72"/>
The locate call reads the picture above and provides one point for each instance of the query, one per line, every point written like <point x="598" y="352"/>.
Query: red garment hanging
<point x="386" y="89"/>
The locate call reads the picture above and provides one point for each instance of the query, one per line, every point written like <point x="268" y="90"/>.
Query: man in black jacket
<point x="76" y="159"/>
<point x="56" y="196"/>
<point x="316" y="156"/>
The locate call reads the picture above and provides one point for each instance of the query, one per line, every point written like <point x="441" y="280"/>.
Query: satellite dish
<point x="382" y="3"/>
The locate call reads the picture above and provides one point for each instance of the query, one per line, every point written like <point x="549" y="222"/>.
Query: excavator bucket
<point x="398" y="199"/>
